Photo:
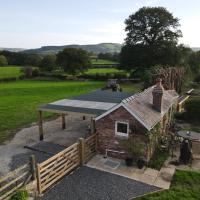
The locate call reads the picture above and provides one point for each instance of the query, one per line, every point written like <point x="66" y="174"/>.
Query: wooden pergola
<point x="63" y="123"/>
<point x="94" y="103"/>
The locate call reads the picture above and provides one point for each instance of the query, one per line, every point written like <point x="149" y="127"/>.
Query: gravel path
<point x="91" y="184"/>
<point x="13" y="153"/>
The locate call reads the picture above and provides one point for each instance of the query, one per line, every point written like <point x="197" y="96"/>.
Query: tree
<point x="32" y="60"/>
<point x="172" y="77"/>
<point x="152" y="26"/>
<point x="152" y="35"/>
<point x="48" y="63"/>
<point x="3" y="60"/>
<point x="73" y="60"/>
<point x="194" y="62"/>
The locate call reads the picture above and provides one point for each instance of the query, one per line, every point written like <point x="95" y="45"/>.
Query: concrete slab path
<point x="149" y="176"/>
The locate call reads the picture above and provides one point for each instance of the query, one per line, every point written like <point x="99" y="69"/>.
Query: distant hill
<point x="12" y="49"/>
<point x="94" y="48"/>
<point x="196" y="48"/>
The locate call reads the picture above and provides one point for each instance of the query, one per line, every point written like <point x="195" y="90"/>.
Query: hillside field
<point x="19" y="100"/>
<point x="94" y="71"/>
<point x="10" y="72"/>
<point x="102" y="62"/>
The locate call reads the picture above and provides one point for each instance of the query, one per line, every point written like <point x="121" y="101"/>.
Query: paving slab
<point x="150" y="176"/>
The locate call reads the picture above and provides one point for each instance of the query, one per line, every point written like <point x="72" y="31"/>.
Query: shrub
<point x="20" y="195"/>
<point x="192" y="108"/>
<point x="30" y="72"/>
<point x="158" y="159"/>
<point x="180" y="116"/>
<point x="3" y="60"/>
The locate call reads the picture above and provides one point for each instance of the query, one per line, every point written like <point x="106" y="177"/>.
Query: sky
<point x="36" y="23"/>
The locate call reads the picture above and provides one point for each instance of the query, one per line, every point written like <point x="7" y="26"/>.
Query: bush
<point x="20" y="195"/>
<point x="30" y="72"/>
<point x="158" y="159"/>
<point x="3" y="60"/>
<point x="180" y="116"/>
<point x="192" y="108"/>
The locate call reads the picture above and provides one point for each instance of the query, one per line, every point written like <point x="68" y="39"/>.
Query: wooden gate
<point x="53" y="169"/>
<point x="14" y="180"/>
<point x="90" y="147"/>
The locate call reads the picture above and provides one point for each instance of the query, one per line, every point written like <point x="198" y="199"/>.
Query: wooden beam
<point x="63" y="122"/>
<point x="33" y="167"/>
<point x="41" y="132"/>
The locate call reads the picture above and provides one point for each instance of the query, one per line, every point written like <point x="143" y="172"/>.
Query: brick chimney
<point x="157" y="95"/>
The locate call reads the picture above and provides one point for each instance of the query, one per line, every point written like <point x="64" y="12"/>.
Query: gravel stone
<point x="91" y="184"/>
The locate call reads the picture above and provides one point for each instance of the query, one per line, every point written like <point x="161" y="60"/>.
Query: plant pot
<point x="140" y="163"/>
<point x="129" y="161"/>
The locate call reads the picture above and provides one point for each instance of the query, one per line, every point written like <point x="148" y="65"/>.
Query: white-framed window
<point x="122" y="128"/>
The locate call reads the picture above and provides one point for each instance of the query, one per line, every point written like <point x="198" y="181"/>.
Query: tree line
<point x="151" y="42"/>
<point x="71" y="60"/>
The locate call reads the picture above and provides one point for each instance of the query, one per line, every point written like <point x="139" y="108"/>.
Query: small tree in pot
<point x="135" y="150"/>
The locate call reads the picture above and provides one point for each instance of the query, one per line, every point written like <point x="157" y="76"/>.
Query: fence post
<point x="82" y="150"/>
<point x="33" y="167"/>
<point x="92" y="125"/>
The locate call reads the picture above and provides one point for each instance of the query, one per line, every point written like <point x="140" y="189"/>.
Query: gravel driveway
<point x="91" y="184"/>
<point x="13" y="154"/>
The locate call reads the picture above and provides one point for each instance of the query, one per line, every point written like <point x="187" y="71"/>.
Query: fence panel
<point x="14" y="180"/>
<point x="53" y="169"/>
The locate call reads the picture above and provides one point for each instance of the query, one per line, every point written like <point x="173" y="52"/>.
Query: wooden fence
<point x="53" y="169"/>
<point x="90" y="147"/>
<point x="16" y="179"/>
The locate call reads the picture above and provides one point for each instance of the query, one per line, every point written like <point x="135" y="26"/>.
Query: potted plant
<point x="135" y="149"/>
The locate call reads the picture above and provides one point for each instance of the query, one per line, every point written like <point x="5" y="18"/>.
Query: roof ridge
<point x="128" y="99"/>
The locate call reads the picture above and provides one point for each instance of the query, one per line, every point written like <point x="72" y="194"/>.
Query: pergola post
<point x="92" y="125"/>
<point x="41" y="132"/>
<point x="63" y="122"/>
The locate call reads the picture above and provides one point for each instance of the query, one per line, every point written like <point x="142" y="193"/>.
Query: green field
<point x="185" y="186"/>
<point x="10" y="72"/>
<point x="104" y="71"/>
<point x="19" y="100"/>
<point x="102" y="62"/>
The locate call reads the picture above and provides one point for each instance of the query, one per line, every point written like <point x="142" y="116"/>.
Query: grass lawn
<point x="185" y="186"/>
<point x="10" y="72"/>
<point x="104" y="71"/>
<point x="102" y="62"/>
<point x="132" y="87"/>
<point x="19" y="100"/>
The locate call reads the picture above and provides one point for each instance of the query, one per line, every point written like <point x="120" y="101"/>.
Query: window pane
<point x="122" y="128"/>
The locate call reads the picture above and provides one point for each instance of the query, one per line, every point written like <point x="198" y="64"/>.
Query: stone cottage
<point x="145" y="116"/>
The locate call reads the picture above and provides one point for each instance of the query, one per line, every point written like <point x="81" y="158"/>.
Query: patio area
<point x="146" y="175"/>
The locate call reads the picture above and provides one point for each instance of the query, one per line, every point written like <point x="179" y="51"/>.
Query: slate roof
<point x="141" y="105"/>
<point x="95" y="103"/>
<point x="104" y="96"/>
